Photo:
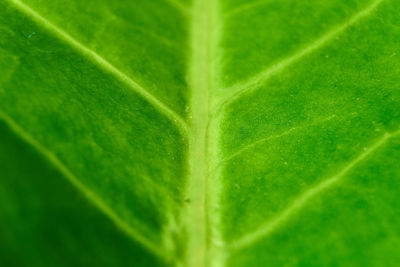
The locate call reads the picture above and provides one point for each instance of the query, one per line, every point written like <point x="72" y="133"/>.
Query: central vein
<point x="202" y="82"/>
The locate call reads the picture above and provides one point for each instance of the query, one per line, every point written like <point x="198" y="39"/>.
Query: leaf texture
<point x="199" y="133"/>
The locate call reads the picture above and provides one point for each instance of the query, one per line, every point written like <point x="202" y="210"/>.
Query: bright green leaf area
<point x="200" y="133"/>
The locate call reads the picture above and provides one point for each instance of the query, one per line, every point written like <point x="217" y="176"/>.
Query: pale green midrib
<point x="270" y="226"/>
<point x="104" y="64"/>
<point x="202" y="82"/>
<point x="134" y="235"/>
<point x="253" y="83"/>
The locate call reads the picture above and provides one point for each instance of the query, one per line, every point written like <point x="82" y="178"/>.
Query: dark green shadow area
<point x="45" y="221"/>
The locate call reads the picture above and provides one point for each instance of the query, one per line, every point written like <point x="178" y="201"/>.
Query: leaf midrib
<point x="202" y="84"/>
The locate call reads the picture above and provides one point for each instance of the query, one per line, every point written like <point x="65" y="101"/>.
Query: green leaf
<point x="212" y="133"/>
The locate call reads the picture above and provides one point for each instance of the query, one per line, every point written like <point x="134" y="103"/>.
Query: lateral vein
<point x="269" y="227"/>
<point x="89" y="194"/>
<point x="271" y="137"/>
<point x="237" y="90"/>
<point x="92" y="55"/>
<point x="179" y="6"/>
<point x="246" y="6"/>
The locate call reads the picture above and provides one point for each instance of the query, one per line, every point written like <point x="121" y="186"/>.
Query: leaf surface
<point x="212" y="133"/>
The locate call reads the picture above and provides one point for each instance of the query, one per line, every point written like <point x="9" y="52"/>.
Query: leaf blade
<point x="160" y="111"/>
